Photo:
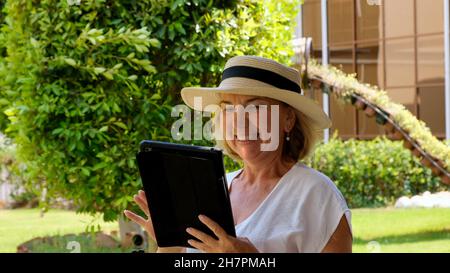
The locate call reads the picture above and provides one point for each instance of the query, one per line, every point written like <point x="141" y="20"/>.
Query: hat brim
<point x="211" y="95"/>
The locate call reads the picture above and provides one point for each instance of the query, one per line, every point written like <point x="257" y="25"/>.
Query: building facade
<point x="397" y="45"/>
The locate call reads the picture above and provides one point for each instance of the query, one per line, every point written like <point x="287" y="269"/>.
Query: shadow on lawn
<point x="406" y="238"/>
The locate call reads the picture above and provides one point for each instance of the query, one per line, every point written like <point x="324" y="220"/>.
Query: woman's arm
<point x="341" y="240"/>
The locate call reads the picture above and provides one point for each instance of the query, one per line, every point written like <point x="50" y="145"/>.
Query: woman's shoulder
<point x="310" y="180"/>
<point x="306" y="174"/>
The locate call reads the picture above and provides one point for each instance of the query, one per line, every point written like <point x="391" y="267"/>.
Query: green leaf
<point x="85" y="171"/>
<point x="132" y="77"/>
<point x="116" y="108"/>
<point x="10" y="112"/>
<point x="180" y="28"/>
<point x="150" y="68"/>
<point x="70" y="61"/>
<point x="100" y="165"/>
<point x="99" y="70"/>
<point x="117" y="66"/>
<point x="4" y="101"/>
<point x="108" y="75"/>
<point x="171" y="32"/>
<point x="57" y="131"/>
<point x="121" y="125"/>
<point x="155" y="43"/>
<point x="155" y="96"/>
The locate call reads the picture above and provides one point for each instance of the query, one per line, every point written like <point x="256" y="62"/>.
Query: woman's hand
<point x="225" y="242"/>
<point x="141" y="201"/>
<point x="146" y="224"/>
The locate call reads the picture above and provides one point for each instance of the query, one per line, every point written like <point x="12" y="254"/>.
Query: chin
<point x="247" y="150"/>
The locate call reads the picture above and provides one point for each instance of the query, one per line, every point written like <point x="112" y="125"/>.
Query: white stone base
<point x="426" y="200"/>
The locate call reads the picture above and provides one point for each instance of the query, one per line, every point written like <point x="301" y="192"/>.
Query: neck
<point x="260" y="171"/>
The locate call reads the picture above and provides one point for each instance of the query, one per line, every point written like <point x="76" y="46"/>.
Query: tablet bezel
<point x="208" y="153"/>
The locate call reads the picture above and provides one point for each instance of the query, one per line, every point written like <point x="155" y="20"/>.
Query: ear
<point x="290" y="119"/>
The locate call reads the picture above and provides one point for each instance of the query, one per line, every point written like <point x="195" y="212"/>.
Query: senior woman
<point x="279" y="204"/>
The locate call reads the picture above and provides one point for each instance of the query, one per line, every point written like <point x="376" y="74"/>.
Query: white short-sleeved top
<point x="300" y="214"/>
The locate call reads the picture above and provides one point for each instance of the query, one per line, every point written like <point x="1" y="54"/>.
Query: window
<point x="369" y="61"/>
<point x="312" y="21"/>
<point x="397" y="46"/>
<point x="430" y="59"/>
<point x="400" y="64"/>
<point x="430" y="16"/>
<point x="340" y="21"/>
<point x="368" y="21"/>
<point x="399" y="18"/>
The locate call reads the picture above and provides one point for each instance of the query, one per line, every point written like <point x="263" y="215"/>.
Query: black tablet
<point x="181" y="182"/>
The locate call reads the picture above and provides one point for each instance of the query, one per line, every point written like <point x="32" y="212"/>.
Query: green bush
<point x="3" y="118"/>
<point x="372" y="173"/>
<point x="82" y="84"/>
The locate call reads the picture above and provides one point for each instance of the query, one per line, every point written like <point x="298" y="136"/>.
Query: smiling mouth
<point x="246" y="140"/>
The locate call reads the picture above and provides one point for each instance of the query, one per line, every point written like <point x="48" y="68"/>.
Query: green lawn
<point x="384" y="230"/>
<point x="401" y="230"/>
<point x="18" y="226"/>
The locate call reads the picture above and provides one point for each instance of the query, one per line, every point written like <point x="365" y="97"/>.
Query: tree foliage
<point x="83" y="82"/>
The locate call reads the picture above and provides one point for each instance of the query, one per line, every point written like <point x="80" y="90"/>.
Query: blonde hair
<point x="302" y="138"/>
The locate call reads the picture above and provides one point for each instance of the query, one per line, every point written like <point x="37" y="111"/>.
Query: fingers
<point x="203" y="237"/>
<point x="218" y="230"/>
<point x="245" y="239"/>
<point x="141" y="193"/>
<point x="135" y="218"/>
<point x="142" y="204"/>
<point x="198" y="245"/>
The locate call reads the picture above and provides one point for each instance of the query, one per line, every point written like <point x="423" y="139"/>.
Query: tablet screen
<point x="179" y="187"/>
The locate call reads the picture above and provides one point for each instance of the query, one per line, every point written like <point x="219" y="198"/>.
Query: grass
<point x="383" y="230"/>
<point x="20" y="225"/>
<point x="401" y="230"/>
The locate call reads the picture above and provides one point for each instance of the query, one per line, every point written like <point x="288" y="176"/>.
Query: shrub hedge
<point x="373" y="173"/>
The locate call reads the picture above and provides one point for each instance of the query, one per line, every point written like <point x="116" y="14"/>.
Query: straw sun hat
<point x="256" y="76"/>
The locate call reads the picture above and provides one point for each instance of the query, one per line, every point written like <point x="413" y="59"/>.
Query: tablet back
<point x="181" y="182"/>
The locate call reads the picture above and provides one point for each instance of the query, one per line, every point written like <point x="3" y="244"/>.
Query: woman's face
<point x="252" y="129"/>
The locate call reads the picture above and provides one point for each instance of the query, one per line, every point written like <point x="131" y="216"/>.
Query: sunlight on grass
<point x="394" y="230"/>
<point x="18" y="226"/>
<point x="402" y="230"/>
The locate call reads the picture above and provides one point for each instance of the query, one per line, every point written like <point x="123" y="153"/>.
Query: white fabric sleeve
<point x="321" y="215"/>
